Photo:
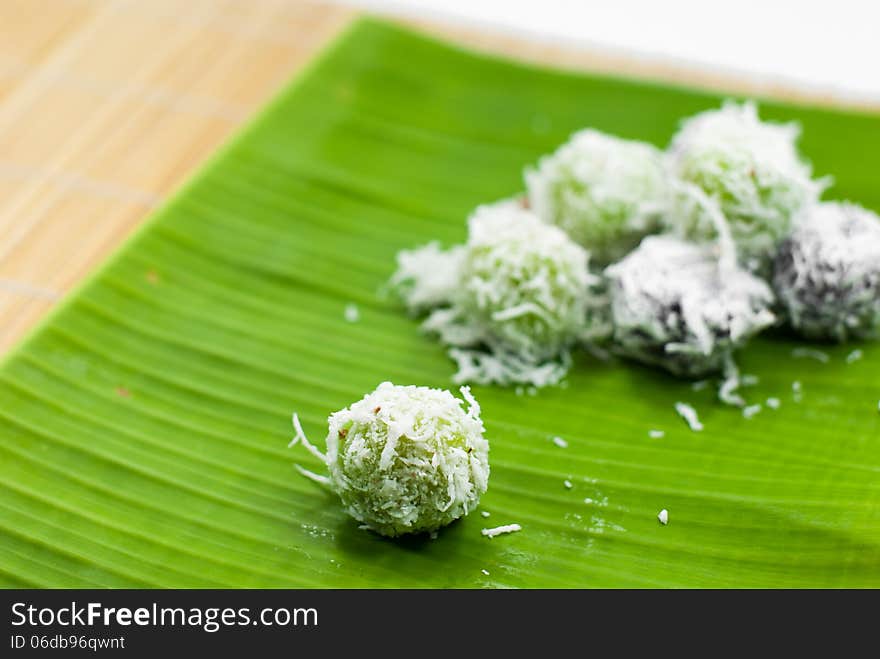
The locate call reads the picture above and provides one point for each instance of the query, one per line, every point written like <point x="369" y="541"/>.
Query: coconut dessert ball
<point x="607" y="193"/>
<point x="674" y="305"/>
<point x="751" y="169"/>
<point x="827" y="274"/>
<point x="405" y="459"/>
<point x="510" y="302"/>
<point x="524" y="283"/>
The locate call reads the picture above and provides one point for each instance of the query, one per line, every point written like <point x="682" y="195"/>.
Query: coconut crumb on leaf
<point x="501" y="530"/>
<point x="751" y="410"/>
<point x="351" y="314"/>
<point x="689" y="414"/>
<point x="663" y="517"/>
<point x="727" y="392"/>
<point x="810" y="353"/>
<point x="854" y="356"/>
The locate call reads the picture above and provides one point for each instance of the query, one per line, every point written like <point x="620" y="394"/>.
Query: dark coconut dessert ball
<point x="827" y="274"/>
<point x="681" y="306"/>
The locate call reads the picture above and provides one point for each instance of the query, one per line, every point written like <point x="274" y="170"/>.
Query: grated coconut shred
<point x="689" y="414"/>
<point x="501" y="530"/>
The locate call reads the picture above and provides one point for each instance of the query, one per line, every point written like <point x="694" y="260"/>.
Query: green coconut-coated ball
<point x="751" y="169"/>
<point x="408" y="459"/>
<point x="525" y="283"/>
<point x="827" y="274"/>
<point x="607" y="193"/>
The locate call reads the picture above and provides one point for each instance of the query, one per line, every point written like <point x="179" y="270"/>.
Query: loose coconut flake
<point x="663" y="517"/>
<point x="854" y="356"/>
<point x="810" y="353"/>
<point x="689" y="414"/>
<point x="352" y="314"/>
<point x="501" y="530"/>
<point x="727" y="392"/>
<point x="751" y="410"/>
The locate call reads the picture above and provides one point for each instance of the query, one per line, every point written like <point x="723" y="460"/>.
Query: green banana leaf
<point x="144" y="425"/>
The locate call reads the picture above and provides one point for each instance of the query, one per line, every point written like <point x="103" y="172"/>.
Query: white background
<point x="832" y="47"/>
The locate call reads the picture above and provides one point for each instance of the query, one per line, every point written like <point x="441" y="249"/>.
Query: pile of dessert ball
<point x="673" y="258"/>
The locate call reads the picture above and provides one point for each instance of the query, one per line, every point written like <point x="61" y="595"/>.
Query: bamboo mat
<point x="106" y="105"/>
